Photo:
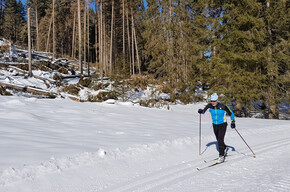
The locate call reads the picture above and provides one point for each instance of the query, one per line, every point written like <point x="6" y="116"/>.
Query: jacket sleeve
<point x="230" y="112"/>
<point x="205" y="108"/>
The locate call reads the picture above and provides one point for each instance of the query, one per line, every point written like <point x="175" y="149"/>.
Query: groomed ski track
<point x="185" y="177"/>
<point x="106" y="150"/>
<point x="161" y="179"/>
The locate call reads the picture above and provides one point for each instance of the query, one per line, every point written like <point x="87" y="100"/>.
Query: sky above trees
<point x="144" y="1"/>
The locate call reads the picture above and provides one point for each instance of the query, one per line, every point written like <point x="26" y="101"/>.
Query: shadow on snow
<point x="229" y="148"/>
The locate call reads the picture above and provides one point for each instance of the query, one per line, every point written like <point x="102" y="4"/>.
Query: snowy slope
<point x="66" y="146"/>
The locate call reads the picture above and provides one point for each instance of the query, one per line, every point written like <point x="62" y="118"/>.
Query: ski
<point x="208" y="161"/>
<point x="215" y="159"/>
<point x="211" y="165"/>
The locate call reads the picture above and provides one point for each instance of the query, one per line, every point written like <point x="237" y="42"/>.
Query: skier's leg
<point x="221" y="136"/>
<point x="216" y="133"/>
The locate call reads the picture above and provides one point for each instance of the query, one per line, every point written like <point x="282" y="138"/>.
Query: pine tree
<point x="276" y="54"/>
<point x="14" y="20"/>
<point x="238" y="52"/>
<point x="154" y="33"/>
<point x="175" y="42"/>
<point x="193" y="42"/>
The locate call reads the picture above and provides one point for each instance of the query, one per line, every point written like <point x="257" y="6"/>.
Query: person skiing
<point x="218" y="111"/>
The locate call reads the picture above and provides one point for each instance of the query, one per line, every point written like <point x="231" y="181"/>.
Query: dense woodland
<point x="238" y="48"/>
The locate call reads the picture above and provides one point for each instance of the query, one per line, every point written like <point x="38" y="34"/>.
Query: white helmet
<point x="214" y="97"/>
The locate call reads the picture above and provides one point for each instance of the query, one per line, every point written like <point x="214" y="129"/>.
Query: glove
<point x="200" y="111"/>
<point x="233" y="125"/>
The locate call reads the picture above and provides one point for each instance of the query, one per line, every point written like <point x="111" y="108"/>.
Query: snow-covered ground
<point x="64" y="146"/>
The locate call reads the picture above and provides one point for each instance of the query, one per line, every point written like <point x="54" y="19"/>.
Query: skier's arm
<point x="230" y="112"/>
<point x="204" y="109"/>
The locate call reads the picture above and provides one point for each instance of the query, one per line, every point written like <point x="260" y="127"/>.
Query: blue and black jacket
<point x="218" y="113"/>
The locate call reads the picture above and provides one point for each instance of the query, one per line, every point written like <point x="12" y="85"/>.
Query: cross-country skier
<point x="218" y="111"/>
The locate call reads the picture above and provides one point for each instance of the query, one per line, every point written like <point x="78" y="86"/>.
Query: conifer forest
<point x="237" y="48"/>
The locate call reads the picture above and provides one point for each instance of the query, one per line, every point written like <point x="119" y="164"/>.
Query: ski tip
<point x="200" y="154"/>
<point x="254" y="155"/>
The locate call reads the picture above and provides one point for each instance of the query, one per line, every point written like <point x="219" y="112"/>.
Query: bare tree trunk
<point x="76" y="37"/>
<point x="129" y="40"/>
<point x="88" y="41"/>
<point x="105" y="46"/>
<point x="136" y="45"/>
<point x="111" y="48"/>
<point x="124" y="51"/>
<point x="73" y="38"/>
<point x="185" y="68"/>
<point x="133" y="50"/>
<point x="170" y="41"/>
<point x="80" y="37"/>
<point x="53" y="30"/>
<point x="104" y="43"/>
<point x="29" y="43"/>
<point x="101" y="39"/>
<point x="37" y="30"/>
<point x="96" y="36"/>
<point x="48" y="36"/>
<point x="214" y="51"/>
<point x="85" y="33"/>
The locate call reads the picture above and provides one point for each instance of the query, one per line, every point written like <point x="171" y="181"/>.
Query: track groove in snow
<point x="165" y="177"/>
<point x="282" y="186"/>
<point x="56" y="149"/>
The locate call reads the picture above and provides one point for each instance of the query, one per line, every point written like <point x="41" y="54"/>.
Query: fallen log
<point x="79" y="75"/>
<point x="72" y="76"/>
<point x="6" y="64"/>
<point x="28" y="89"/>
<point x="35" y="76"/>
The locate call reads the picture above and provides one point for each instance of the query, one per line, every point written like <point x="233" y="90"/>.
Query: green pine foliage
<point x="154" y="38"/>
<point x="239" y="52"/>
<point x="237" y="48"/>
<point x="13" y="20"/>
<point x="276" y="54"/>
<point x="175" y="42"/>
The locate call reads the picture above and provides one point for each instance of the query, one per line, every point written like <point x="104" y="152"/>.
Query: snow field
<point x="62" y="145"/>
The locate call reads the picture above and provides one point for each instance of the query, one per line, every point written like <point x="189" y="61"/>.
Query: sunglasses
<point x="213" y="101"/>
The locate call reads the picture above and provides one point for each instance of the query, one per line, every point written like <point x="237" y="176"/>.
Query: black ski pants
<point x="220" y="132"/>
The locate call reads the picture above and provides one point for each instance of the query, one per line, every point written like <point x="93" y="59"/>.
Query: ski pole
<point x="199" y="134"/>
<point x="245" y="142"/>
